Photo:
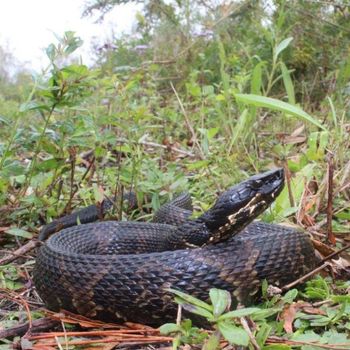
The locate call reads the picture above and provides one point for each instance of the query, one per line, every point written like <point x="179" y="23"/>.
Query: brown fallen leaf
<point x="288" y="316"/>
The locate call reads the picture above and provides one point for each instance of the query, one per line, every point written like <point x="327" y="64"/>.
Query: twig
<point x="245" y="325"/>
<point x="172" y="148"/>
<point x="305" y="277"/>
<point x="68" y="205"/>
<point x="330" y="235"/>
<point x="18" y="299"/>
<point x="42" y="324"/>
<point x="330" y="256"/>
<point x="179" y="314"/>
<point x="19" y="252"/>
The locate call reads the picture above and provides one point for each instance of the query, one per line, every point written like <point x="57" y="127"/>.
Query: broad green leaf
<point x="51" y="52"/>
<point x="221" y="300"/>
<point x="190" y="299"/>
<point x="50" y="164"/>
<point x="15" y="231"/>
<point x="33" y="105"/>
<point x="277" y="105"/>
<point x="240" y="313"/>
<point x="308" y="336"/>
<point x="169" y="328"/>
<point x="233" y="334"/>
<point x="265" y="313"/>
<point x="282" y="46"/>
<point x="334" y="337"/>
<point x="288" y="84"/>
<point x="194" y="309"/>
<point x="290" y="296"/>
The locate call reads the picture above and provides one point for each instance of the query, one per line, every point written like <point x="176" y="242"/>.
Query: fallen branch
<point x="42" y="324"/>
<point x="245" y="325"/>
<point x="303" y="278"/>
<point x="330" y="256"/>
<point x="19" y="252"/>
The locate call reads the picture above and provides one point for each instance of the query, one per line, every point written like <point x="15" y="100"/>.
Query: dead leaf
<point x="288" y="316"/>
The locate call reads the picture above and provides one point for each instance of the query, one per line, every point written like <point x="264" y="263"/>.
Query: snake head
<point x="242" y="203"/>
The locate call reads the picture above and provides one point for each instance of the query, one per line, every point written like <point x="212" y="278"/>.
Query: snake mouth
<point x="242" y="203"/>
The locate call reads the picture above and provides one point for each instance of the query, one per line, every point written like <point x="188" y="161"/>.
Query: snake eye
<point x="256" y="184"/>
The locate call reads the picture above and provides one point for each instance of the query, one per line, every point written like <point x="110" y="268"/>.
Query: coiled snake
<point x="118" y="271"/>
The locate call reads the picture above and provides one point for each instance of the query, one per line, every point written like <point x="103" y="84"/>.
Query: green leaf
<point x="256" y="81"/>
<point x="213" y="342"/>
<point x="50" y="164"/>
<point x="288" y="84"/>
<point x="277" y="105"/>
<point x="51" y="52"/>
<point x="199" y="164"/>
<point x="240" y="313"/>
<point x="190" y="299"/>
<point x="194" y="309"/>
<point x="262" y="314"/>
<point x="277" y="347"/>
<point x="263" y="333"/>
<point x="290" y="296"/>
<point x="4" y="120"/>
<point x="309" y="336"/>
<point x="32" y="106"/>
<point x="169" y="328"/>
<point x="282" y="46"/>
<point x="221" y="300"/>
<point x="233" y="334"/>
<point x="15" y="231"/>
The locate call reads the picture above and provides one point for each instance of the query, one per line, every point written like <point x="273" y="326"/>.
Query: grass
<point x="81" y="134"/>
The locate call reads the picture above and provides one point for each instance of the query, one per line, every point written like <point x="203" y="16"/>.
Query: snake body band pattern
<point x="120" y="271"/>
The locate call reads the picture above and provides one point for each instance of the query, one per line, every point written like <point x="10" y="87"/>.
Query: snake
<point x="118" y="271"/>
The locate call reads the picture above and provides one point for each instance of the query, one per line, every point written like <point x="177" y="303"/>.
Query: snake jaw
<point x="241" y="204"/>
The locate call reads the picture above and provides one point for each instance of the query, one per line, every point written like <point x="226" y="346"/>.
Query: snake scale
<point x="121" y="271"/>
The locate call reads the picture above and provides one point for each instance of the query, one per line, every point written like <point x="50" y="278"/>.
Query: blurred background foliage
<point x="159" y="110"/>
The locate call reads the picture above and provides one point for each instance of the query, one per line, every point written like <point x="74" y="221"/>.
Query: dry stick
<point x="305" y="277"/>
<point x="20" y="329"/>
<point x="245" y="325"/>
<point x="172" y="148"/>
<point x="330" y="256"/>
<point x="188" y="124"/>
<point x="19" y="252"/>
<point x="78" y="185"/>
<point x="179" y="315"/>
<point x="18" y="299"/>
<point x="330" y="235"/>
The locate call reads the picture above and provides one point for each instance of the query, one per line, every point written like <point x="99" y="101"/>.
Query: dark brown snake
<point x="121" y="271"/>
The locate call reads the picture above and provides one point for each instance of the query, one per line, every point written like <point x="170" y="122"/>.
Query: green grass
<point x="79" y="133"/>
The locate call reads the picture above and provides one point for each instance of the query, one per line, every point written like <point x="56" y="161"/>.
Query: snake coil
<point x="121" y="271"/>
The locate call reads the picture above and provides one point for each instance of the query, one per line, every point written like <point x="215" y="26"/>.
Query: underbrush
<point x="80" y="135"/>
